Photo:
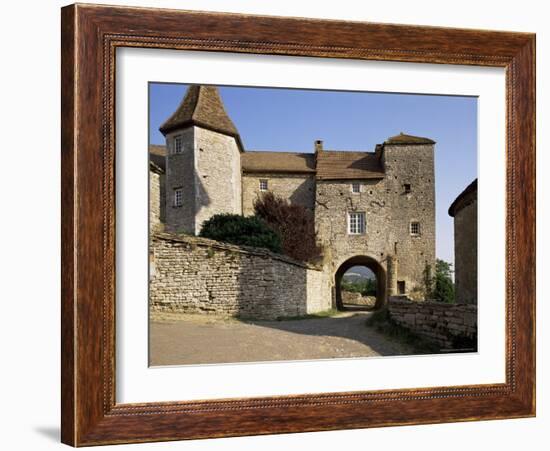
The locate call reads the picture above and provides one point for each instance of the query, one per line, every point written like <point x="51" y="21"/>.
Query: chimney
<point x="318" y="145"/>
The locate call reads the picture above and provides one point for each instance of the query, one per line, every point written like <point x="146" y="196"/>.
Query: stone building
<point x="372" y="208"/>
<point x="464" y="212"/>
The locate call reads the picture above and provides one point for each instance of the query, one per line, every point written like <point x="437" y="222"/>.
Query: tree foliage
<point x="240" y="230"/>
<point x="293" y="223"/>
<point x="442" y="283"/>
<point x="366" y="287"/>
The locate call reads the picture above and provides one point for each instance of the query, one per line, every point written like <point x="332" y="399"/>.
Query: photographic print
<point x="292" y="224"/>
<point x="264" y="228"/>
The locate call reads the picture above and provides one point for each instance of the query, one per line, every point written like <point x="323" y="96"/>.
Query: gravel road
<point x="200" y="339"/>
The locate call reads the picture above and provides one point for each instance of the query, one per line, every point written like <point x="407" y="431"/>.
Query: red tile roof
<point x="344" y="165"/>
<point x="277" y="162"/>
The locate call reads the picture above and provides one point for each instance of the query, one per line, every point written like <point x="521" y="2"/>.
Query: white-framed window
<point x="355" y="187"/>
<point x="178" y="197"/>
<point x="264" y="185"/>
<point x="178" y="144"/>
<point x="356" y="223"/>
<point x="414" y="228"/>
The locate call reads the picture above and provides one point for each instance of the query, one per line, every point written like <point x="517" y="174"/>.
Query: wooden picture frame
<point x="90" y="36"/>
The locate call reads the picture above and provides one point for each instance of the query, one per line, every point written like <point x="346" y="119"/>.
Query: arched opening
<point x="362" y="268"/>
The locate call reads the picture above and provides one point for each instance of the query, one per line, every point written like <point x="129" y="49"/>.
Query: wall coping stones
<point x="249" y="250"/>
<point x="405" y="302"/>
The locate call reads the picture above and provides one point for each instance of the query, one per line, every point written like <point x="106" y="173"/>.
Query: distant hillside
<point x="358" y="273"/>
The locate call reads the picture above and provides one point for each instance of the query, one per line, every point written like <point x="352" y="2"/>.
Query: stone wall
<point x="446" y="324"/>
<point x="298" y="189"/>
<point x="334" y="200"/>
<point x="154" y="202"/>
<point x="197" y="275"/>
<point x="352" y="298"/>
<point x="465" y="225"/>
<point x="389" y="211"/>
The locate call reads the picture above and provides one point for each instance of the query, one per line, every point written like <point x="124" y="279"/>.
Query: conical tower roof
<point x="201" y="106"/>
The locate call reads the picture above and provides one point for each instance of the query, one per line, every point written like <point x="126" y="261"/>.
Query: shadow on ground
<point x="201" y="339"/>
<point x="350" y="325"/>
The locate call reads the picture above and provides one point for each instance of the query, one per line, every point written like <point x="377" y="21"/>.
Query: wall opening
<point x="401" y="287"/>
<point x="360" y="284"/>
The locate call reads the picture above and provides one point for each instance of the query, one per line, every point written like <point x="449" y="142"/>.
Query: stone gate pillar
<point x="392" y="275"/>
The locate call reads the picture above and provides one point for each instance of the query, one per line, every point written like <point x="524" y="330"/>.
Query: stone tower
<point x="464" y="212"/>
<point x="203" y="161"/>
<point x="410" y="186"/>
<point x="377" y="209"/>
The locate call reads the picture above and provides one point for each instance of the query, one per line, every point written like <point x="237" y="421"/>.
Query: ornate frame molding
<point x="90" y="36"/>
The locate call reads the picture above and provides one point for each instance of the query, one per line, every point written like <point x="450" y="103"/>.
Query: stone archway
<point x="374" y="266"/>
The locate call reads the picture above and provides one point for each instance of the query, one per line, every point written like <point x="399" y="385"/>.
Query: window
<point x="415" y="228"/>
<point x="401" y="286"/>
<point x="355" y="187"/>
<point x="178" y="144"/>
<point x="356" y="223"/>
<point x="263" y="185"/>
<point x="178" y="197"/>
<point x="407" y="188"/>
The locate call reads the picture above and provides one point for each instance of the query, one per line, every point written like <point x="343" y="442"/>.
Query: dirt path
<point x="196" y="339"/>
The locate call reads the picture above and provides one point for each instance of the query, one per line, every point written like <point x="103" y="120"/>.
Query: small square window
<point x="178" y="197"/>
<point x="263" y="185"/>
<point x="407" y="188"/>
<point x="355" y="187"/>
<point x="415" y="228"/>
<point x="356" y="223"/>
<point x="178" y="144"/>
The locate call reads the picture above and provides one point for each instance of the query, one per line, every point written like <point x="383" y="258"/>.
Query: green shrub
<point x="240" y="230"/>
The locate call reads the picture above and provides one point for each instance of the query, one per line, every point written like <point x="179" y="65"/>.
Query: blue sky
<point x="291" y="120"/>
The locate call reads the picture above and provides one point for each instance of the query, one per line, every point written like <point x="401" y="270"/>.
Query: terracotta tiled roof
<point x="157" y="156"/>
<point x="464" y="199"/>
<point x="338" y="165"/>
<point x="408" y="139"/>
<point x="277" y="162"/>
<point x="202" y="106"/>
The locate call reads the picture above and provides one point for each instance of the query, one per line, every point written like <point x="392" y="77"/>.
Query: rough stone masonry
<point x="197" y="275"/>
<point x="445" y="324"/>
<point x="372" y="208"/>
